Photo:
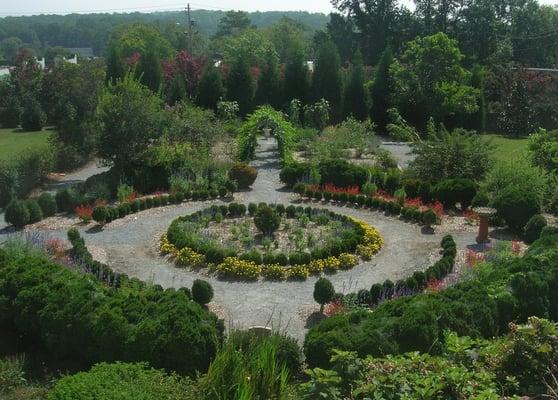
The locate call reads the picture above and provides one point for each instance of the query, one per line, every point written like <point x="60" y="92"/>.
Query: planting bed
<point x="237" y="244"/>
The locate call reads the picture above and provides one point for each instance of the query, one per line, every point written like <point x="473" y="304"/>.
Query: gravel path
<point x="400" y="151"/>
<point x="131" y="246"/>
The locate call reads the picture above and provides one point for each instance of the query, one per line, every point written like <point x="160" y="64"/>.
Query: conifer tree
<point x="380" y="90"/>
<point x="211" y="87"/>
<point x="326" y="80"/>
<point x="150" y="70"/>
<point x="355" y="100"/>
<point x="269" y="83"/>
<point x="115" y="64"/>
<point x="296" y="76"/>
<point x="240" y="85"/>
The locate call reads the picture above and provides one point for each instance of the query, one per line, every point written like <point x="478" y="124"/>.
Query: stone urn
<point x="484" y="214"/>
<point x="267" y="132"/>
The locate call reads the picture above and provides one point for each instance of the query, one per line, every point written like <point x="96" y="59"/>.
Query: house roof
<point x="81" y="52"/>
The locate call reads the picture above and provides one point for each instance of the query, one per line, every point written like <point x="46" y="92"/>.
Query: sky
<point x="28" y="7"/>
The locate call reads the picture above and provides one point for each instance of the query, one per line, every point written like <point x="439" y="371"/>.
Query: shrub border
<point x="245" y="267"/>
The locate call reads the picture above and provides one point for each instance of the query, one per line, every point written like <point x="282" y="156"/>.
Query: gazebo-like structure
<point x="484" y="214"/>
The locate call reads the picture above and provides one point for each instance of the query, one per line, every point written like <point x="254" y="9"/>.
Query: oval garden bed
<point x="272" y="241"/>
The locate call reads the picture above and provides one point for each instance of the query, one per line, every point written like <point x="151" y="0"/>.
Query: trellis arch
<point x="266" y="116"/>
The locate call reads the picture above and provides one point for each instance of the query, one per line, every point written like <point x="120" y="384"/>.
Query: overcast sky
<point x="26" y="7"/>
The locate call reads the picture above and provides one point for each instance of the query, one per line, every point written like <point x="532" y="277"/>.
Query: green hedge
<point x="79" y="320"/>
<point x="511" y="290"/>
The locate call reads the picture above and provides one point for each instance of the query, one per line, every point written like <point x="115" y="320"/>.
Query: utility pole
<point x="189" y="31"/>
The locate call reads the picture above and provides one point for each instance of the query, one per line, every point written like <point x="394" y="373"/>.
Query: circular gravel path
<point x="131" y="247"/>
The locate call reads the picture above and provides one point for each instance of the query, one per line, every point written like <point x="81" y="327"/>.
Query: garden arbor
<point x="266" y="117"/>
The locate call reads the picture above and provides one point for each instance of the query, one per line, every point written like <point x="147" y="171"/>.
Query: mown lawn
<point x="13" y="143"/>
<point x="507" y="148"/>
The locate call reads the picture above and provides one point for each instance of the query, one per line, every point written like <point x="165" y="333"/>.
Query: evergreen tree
<point x="516" y="117"/>
<point x="211" y="87"/>
<point x="269" y="83"/>
<point x="115" y="64"/>
<point x="381" y="89"/>
<point x="356" y="97"/>
<point x="296" y="76"/>
<point x="150" y="70"/>
<point x="326" y="80"/>
<point x="240" y="85"/>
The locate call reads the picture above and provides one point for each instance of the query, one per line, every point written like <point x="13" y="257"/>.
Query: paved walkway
<point x="131" y="246"/>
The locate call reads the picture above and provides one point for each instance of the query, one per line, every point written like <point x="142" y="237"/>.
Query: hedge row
<point x="408" y="213"/>
<point x="346" y="244"/>
<point x="22" y="212"/>
<point x="380" y="292"/>
<point x="510" y="290"/>
<point x="105" y="214"/>
<point x="79" y="320"/>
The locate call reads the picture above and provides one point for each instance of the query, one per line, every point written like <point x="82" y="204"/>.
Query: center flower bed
<point x="272" y="241"/>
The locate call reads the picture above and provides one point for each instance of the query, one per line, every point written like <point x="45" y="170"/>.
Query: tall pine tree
<point x="355" y="101"/>
<point x="296" y="76"/>
<point x="115" y="64"/>
<point x="240" y="85"/>
<point x="381" y="89"/>
<point x="210" y="89"/>
<point x="326" y="80"/>
<point x="269" y="83"/>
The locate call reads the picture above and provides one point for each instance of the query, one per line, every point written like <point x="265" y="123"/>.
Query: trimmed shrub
<point x="342" y="173"/>
<point x="17" y="214"/>
<point x="252" y="208"/>
<point x="47" y="204"/>
<point x="534" y="228"/>
<point x="294" y="172"/>
<point x="32" y="117"/>
<point x="100" y="214"/>
<point x="429" y="218"/>
<point x="323" y="292"/>
<point x="267" y="220"/>
<point x="66" y="200"/>
<point x="243" y="174"/>
<point x="282" y="259"/>
<point x="452" y="191"/>
<point x="35" y="212"/>
<point x="202" y="292"/>
<point x="516" y="207"/>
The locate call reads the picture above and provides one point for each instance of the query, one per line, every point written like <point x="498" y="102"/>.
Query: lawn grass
<point x="507" y="148"/>
<point x="14" y="143"/>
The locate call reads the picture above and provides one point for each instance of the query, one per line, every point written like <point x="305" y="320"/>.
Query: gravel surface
<point x="131" y="246"/>
<point x="400" y="151"/>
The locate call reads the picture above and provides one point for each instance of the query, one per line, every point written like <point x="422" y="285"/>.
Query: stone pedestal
<point x="484" y="214"/>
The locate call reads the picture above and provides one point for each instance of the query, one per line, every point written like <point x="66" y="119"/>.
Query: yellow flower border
<point x="234" y="267"/>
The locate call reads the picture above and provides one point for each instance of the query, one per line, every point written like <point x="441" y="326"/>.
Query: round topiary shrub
<point x="534" y="228"/>
<point x="35" y="212"/>
<point x="47" y="204"/>
<point x="452" y="191"/>
<point x="17" y="214"/>
<point x="516" y="207"/>
<point x="202" y="292"/>
<point x="243" y="174"/>
<point x="66" y="200"/>
<point x="323" y="292"/>
<point x="429" y="218"/>
<point x="267" y="220"/>
<point x="100" y="214"/>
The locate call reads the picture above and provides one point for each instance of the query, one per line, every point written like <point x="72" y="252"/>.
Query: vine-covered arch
<point x="266" y="117"/>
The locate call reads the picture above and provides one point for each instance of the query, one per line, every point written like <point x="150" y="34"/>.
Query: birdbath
<point x="267" y="132"/>
<point x="484" y="214"/>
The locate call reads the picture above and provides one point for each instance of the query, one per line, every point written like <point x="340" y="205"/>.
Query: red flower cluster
<point x="185" y="66"/>
<point x="435" y="285"/>
<point x="472" y="258"/>
<point x="84" y="212"/>
<point x="133" y="59"/>
<point x="331" y="188"/>
<point x="470" y="216"/>
<point x="335" y="307"/>
<point x="516" y="247"/>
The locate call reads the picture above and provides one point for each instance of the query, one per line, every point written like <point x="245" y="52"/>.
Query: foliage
<point x="35" y="212"/>
<point x="516" y="117"/>
<point x="381" y="89"/>
<point x="267" y="220"/>
<point x="326" y="78"/>
<point x="33" y="117"/>
<point x="17" y="214"/>
<point x="516" y="207"/>
<point x="533" y="228"/>
<point x="48" y="204"/>
<point x="446" y="155"/>
<point x="243" y="174"/>
<point x="100" y="214"/>
<point x="131" y="118"/>
<point x="129" y="322"/>
<point x="240" y="85"/>
<point x="211" y="88"/>
<point x="429" y="218"/>
<point x="430" y="81"/>
<point x="452" y="191"/>
<point x="544" y="149"/>
<point x="398" y="129"/>
<point x="355" y="95"/>
<point x="323" y="292"/>
<point x="202" y="292"/>
<point x="121" y="381"/>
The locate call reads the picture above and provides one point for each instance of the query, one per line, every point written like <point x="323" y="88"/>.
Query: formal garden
<point x="380" y="223"/>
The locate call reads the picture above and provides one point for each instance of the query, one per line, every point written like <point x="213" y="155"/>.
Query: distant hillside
<point x="93" y="30"/>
